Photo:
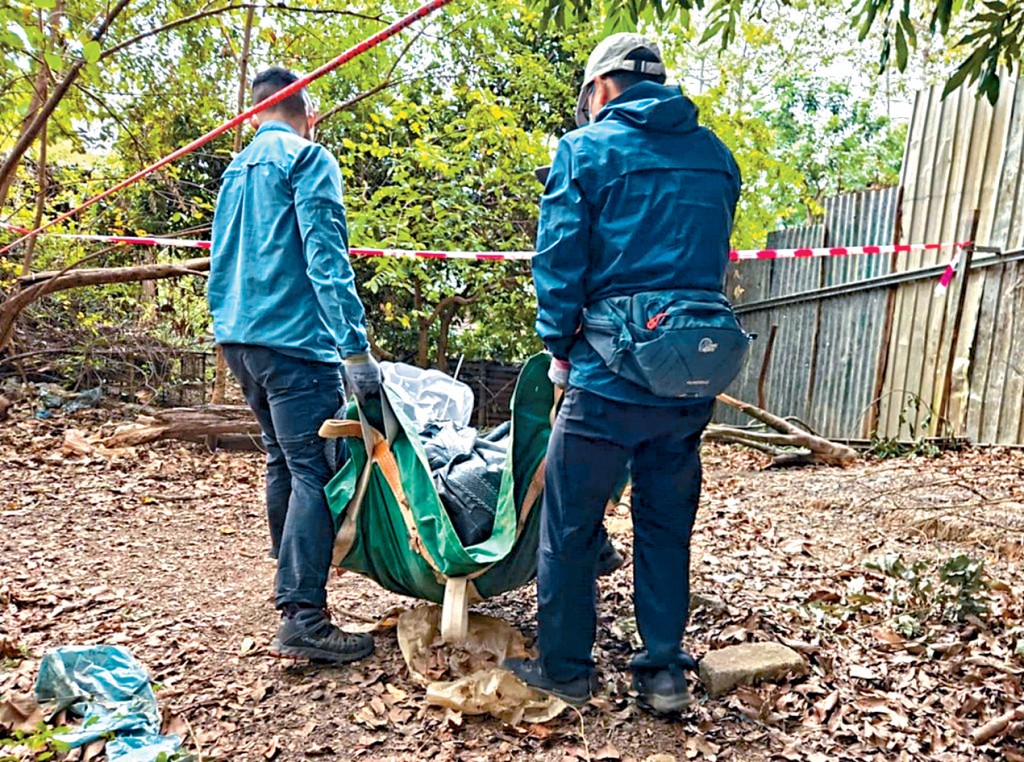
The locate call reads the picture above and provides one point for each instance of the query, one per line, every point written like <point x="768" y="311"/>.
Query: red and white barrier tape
<point x="949" y="273"/>
<point x="735" y="256"/>
<point x="356" y="252"/>
<point x="839" y="251"/>
<point x="370" y="42"/>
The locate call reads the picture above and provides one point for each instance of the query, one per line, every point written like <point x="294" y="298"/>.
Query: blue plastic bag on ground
<point x="110" y="691"/>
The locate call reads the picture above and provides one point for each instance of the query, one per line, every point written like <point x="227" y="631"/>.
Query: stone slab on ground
<point x="725" y="668"/>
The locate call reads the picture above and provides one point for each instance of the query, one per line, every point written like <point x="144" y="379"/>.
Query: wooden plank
<point x="986" y="199"/>
<point x="998" y="320"/>
<point x="973" y="149"/>
<point x="943" y="216"/>
<point x="915" y="166"/>
<point x="909" y="357"/>
<point x="871" y="424"/>
<point x="947" y="422"/>
<point x="967" y="392"/>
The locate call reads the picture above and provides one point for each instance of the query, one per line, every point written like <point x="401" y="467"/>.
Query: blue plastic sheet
<point x="109" y="690"/>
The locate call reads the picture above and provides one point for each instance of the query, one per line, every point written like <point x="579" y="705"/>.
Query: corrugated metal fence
<point x="796" y="373"/>
<point x="862" y="344"/>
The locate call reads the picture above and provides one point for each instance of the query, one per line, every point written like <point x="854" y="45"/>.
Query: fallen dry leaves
<point x="132" y="547"/>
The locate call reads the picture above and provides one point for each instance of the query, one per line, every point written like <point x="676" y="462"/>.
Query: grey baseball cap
<point x="610" y="55"/>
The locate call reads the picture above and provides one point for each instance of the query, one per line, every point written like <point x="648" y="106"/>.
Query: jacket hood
<point x="653" y="107"/>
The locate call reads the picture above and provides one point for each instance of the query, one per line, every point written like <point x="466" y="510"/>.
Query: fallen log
<point x="232" y="426"/>
<point x="788" y="444"/>
<point x="37" y="285"/>
<point x="193" y="424"/>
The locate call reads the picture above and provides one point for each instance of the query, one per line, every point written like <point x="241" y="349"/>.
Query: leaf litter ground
<point x="871" y="572"/>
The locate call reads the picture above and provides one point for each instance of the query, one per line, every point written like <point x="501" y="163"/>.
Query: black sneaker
<point x="661" y="692"/>
<point x="309" y="635"/>
<point x="576" y="692"/>
<point x="610" y="560"/>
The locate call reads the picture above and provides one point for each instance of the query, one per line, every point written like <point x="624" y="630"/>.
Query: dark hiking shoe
<point x="610" y="560"/>
<point x="308" y="634"/>
<point x="661" y="692"/>
<point x="575" y="692"/>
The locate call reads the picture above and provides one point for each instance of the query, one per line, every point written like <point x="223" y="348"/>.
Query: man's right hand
<point x="363" y="375"/>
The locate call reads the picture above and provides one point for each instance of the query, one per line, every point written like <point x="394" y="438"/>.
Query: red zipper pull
<point x="655" y="321"/>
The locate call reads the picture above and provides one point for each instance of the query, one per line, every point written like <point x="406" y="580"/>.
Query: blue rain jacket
<point x="280" y="275"/>
<point x="642" y="199"/>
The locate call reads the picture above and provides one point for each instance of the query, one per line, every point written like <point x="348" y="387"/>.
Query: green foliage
<point x="918" y="598"/>
<point x="995" y="38"/>
<point x="439" y="155"/>
<point x="754" y="145"/>
<point x="40" y="742"/>
<point x="836" y="140"/>
<point x="916" y="418"/>
<point x="950" y="591"/>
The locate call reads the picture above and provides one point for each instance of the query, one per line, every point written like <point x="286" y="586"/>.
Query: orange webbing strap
<point x="334" y="428"/>
<point x="389" y="470"/>
<point x="536" y="485"/>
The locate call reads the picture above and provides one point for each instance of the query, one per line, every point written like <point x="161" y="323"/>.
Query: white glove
<point x="363" y="375"/>
<point x="558" y="372"/>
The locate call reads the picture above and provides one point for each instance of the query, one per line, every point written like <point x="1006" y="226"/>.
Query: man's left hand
<point x="558" y="372"/>
<point x="363" y="374"/>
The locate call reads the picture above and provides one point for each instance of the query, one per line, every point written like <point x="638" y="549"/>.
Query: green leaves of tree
<point x="91" y="51"/>
<point x="996" y="38"/>
<point x="618" y="15"/>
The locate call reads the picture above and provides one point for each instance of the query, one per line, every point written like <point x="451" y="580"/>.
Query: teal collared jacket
<point x="642" y="199"/>
<point x="280" y="275"/>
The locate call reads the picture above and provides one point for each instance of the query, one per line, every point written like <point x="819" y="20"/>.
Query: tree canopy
<point x="985" y="35"/>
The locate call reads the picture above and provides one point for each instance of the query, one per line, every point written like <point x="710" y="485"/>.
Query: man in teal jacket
<point x="286" y="313"/>
<point x="639" y="199"/>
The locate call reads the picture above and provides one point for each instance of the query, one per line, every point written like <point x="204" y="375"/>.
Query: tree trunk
<point x="30" y="249"/>
<point x="40" y="86"/>
<point x="444" y="331"/>
<point x="422" y="328"/>
<point x="60" y="281"/>
<point x="243" y="71"/>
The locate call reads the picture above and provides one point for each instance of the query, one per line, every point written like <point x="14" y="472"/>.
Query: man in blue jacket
<point x="286" y="313"/>
<point x="639" y="199"/>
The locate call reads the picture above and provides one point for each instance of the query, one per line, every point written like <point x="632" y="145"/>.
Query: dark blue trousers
<point x="593" y="442"/>
<point x="291" y="398"/>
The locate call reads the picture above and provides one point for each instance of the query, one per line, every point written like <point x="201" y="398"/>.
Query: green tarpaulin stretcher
<point x="399" y="533"/>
